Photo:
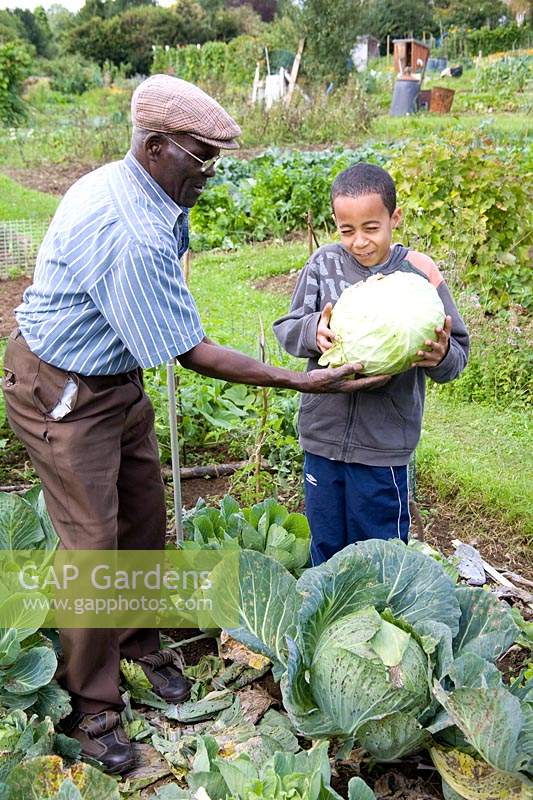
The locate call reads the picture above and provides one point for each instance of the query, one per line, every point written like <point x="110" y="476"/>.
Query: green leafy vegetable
<point x="266" y="527"/>
<point x="383" y="322"/>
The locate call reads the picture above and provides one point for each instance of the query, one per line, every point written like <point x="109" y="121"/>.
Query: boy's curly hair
<point x="364" y="179"/>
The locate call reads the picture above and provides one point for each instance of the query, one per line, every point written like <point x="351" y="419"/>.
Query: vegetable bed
<point x="375" y="675"/>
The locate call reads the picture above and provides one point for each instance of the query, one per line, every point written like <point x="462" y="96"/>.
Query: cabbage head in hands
<point x="384" y="322"/>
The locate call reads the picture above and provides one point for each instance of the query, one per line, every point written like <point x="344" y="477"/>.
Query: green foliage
<point x="36" y="29"/>
<point x="11" y="27"/>
<point x="342" y="114"/>
<point x="266" y="527"/>
<point x="231" y="63"/>
<point x="500" y="364"/>
<point x="398" y="18"/>
<point x="129" y="37"/>
<point x="73" y="74"/>
<point x="366" y="642"/>
<point x="330" y="30"/>
<point x="474" y="14"/>
<point x="498" y="39"/>
<point x="22" y="738"/>
<point x="93" y="127"/>
<point x="467" y="202"/>
<point x="15" y="62"/>
<point x="301" y="776"/>
<point x="508" y="75"/>
<point x="269" y="195"/>
<point x="45" y="777"/>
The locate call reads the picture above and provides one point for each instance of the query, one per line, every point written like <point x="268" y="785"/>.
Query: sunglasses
<point x="207" y="164"/>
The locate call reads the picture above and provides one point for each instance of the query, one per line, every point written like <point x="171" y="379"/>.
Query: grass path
<point x="480" y="457"/>
<point x="17" y="202"/>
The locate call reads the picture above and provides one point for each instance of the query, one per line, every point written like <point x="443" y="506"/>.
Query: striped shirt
<point x="108" y="293"/>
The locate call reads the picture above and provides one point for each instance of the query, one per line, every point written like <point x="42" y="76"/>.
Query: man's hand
<point x="340" y="379"/>
<point x="436" y="351"/>
<point x="215" y="361"/>
<point x="325" y="338"/>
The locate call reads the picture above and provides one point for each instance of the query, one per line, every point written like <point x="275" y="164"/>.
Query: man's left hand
<point x="436" y="351"/>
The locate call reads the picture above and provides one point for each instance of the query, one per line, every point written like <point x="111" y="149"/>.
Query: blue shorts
<point x="348" y="503"/>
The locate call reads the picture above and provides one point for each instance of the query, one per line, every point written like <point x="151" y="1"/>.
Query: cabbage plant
<point x="383" y="322"/>
<point x="379" y="647"/>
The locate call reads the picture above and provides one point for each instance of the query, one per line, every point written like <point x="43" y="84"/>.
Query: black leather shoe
<point x="164" y="671"/>
<point x="102" y="737"/>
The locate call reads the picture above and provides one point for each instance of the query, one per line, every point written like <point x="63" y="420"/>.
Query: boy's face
<point x="365" y="227"/>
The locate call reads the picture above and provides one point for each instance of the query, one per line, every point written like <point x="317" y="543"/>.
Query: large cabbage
<point x="379" y="647"/>
<point x="383" y="322"/>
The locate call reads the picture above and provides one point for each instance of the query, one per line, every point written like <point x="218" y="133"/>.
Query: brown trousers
<point x="101" y="477"/>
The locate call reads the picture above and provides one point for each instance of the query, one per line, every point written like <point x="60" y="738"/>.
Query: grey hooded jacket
<point x="379" y="427"/>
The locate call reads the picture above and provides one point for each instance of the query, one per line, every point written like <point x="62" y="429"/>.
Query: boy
<point x="357" y="447"/>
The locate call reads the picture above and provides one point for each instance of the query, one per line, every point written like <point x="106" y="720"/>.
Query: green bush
<point x="15" y="63"/>
<point x="231" y="63"/>
<point x="467" y="201"/>
<point x="128" y="38"/>
<point x="500" y="366"/>
<point x="495" y="40"/>
<point x="73" y="74"/>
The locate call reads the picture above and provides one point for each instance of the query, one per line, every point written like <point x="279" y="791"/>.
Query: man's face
<point x="178" y="172"/>
<point x="365" y="227"/>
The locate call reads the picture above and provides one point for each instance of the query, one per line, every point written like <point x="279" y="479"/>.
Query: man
<point x="109" y="299"/>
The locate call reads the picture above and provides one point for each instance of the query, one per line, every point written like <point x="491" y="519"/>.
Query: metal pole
<point x="174" y="449"/>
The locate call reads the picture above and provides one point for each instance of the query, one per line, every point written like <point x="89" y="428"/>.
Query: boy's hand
<point x="436" y="350"/>
<point x="324" y="335"/>
<point x="340" y="379"/>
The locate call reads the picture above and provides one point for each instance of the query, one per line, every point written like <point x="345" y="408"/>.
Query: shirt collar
<point x="165" y="204"/>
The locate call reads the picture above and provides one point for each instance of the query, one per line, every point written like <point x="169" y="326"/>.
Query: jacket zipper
<point x="352" y="417"/>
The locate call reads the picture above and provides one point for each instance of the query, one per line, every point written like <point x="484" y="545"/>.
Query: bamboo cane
<point x="175" y="450"/>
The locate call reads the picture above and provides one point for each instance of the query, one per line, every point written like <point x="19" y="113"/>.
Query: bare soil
<point x="49" y="178"/>
<point x="10" y="297"/>
<point x="278" y="284"/>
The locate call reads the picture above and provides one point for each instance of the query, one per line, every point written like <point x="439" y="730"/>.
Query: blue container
<point x="404" y="97"/>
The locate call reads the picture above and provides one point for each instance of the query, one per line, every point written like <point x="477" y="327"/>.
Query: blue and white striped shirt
<point x="108" y="293"/>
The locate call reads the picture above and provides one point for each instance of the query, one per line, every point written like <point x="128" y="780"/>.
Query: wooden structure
<point x="410" y="58"/>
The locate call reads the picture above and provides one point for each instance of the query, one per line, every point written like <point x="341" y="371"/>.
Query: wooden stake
<point x="255" y="86"/>
<point x="294" y="72"/>
<point x="310" y="245"/>
<point x="264" y="418"/>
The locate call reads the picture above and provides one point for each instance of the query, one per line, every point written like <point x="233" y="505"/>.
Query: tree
<point x="265" y="8"/>
<point x="398" y="18"/>
<point x="330" y="30"/>
<point x="11" y="27"/>
<point x="127" y="38"/>
<point x="474" y="14"/>
<point x="15" y="63"/>
<point x="60" y="22"/>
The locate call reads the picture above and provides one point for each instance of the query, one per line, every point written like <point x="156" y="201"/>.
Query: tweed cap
<point x="171" y="105"/>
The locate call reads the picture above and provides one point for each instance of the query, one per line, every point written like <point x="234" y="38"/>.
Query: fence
<point x="19" y="243"/>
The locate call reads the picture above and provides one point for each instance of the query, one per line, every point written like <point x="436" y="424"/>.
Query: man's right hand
<point x="325" y="338"/>
<point x="339" y="379"/>
<point x="209" y="358"/>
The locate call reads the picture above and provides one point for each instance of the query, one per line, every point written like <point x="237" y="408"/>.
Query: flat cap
<point x="171" y="105"/>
